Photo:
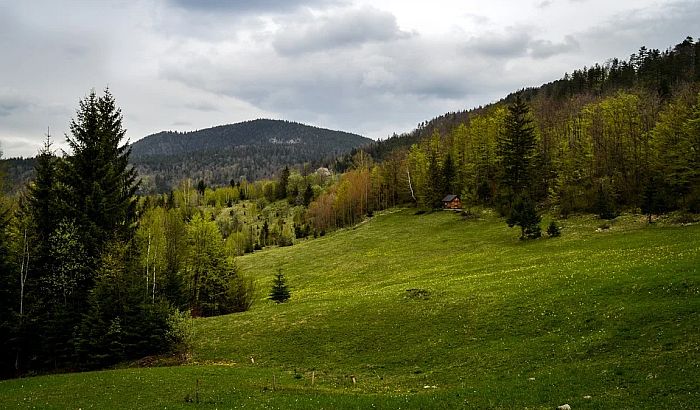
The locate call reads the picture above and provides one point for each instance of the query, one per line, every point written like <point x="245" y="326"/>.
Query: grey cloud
<point x="546" y="48"/>
<point x="204" y="106"/>
<point x="10" y="145"/>
<point x="544" y="4"/>
<point x="10" y="104"/>
<point x="341" y="29"/>
<point x="360" y="89"/>
<point x="659" y="27"/>
<point x="248" y="6"/>
<point x="512" y="43"/>
<point x="517" y="42"/>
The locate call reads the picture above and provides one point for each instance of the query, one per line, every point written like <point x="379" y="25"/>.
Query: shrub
<point x="241" y="293"/>
<point x="181" y="332"/>
<point x="553" y="230"/>
<point x="284" y="240"/>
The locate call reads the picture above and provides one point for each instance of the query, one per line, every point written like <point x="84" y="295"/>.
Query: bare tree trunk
<point x="155" y="258"/>
<point x="148" y="258"/>
<point x="410" y="186"/>
<point x="23" y="273"/>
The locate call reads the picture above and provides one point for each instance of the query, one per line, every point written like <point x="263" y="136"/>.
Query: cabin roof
<point x="450" y="198"/>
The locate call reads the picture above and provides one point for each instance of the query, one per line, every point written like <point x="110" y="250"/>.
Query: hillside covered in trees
<point x="620" y="136"/>
<point x="252" y="150"/>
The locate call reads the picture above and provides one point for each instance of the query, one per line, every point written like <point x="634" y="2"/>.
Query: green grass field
<point x="432" y="311"/>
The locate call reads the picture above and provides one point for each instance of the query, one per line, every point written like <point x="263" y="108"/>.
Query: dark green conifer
<point x="280" y="291"/>
<point x="516" y="147"/>
<point x="524" y="214"/>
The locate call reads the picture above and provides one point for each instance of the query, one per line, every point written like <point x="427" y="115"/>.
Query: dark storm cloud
<point x="347" y="28"/>
<point x="249" y="6"/>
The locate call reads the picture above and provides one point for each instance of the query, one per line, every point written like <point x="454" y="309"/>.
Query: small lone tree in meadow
<point x="280" y="291"/>
<point x="553" y="230"/>
<point x="525" y="216"/>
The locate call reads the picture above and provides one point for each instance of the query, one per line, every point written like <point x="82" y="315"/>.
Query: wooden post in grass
<point x="196" y="391"/>
<point x="354" y="380"/>
<point x="273" y="382"/>
<point x="313" y="377"/>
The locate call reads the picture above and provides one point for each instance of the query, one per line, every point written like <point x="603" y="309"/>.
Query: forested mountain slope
<point x="620" y="136"/>
<point x="656" y="72"/>
<point x="252" y="149"/>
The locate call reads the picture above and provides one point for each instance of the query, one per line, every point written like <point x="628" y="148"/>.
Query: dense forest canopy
<point x="252" y="150"/>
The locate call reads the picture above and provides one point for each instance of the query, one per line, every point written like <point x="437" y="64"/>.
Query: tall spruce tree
<point x="516" y="147"/>
<point x="282" y="184"/>
<point x="436" y="187"/>
<point x="43" y="207"/>
<point x="8" y="291"/>
<point x="448" y="174"/>
<point x="100" y="183"/>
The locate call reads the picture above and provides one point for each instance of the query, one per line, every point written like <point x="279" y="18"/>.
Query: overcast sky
<point x="369" y="67"/>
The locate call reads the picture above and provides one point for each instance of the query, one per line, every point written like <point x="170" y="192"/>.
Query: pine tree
<point x="201" y="187"/>
<point x="308" y="195"/>
<point x="516" y="147"/>
<point x="553" y="230"/>
<point x="524" y="214"/>
<point x="43" y="207"/>
<point x="448" y="176"/>
<point x="8" y="291"/>
<point x="100" y="183"/>
<point x="280" y="291"/>
<point x="435" y="187"/>
<point x="653" y="197"/>
<point x="282" y="184"/>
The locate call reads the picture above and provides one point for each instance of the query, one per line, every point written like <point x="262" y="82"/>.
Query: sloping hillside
<point x="434" y="311"/>
<point x="251" y="149"/>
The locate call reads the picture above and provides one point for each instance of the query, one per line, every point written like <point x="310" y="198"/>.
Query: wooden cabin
<point x="451" y="202"/>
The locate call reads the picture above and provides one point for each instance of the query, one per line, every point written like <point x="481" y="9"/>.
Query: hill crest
<point x="253" y="132"/>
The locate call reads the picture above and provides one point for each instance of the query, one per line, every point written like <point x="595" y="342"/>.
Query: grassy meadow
<point x="437" y="311"/>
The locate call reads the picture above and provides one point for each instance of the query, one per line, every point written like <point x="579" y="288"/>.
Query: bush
<point x="181" y="331"/>
<point x="284" y="240"/>
<point x="553" y="230"/>
<point x="241" y="293"/>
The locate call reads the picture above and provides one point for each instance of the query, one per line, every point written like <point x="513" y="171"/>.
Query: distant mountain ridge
<point x="259" y="132"/>
<point x="252" y="149"/>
